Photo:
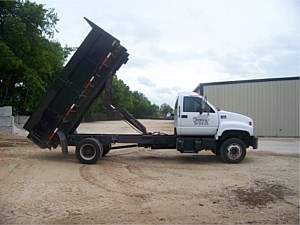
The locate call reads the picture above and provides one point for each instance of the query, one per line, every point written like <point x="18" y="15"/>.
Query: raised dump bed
<point x="74" y="90"/>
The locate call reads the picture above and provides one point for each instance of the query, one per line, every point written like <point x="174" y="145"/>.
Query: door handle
<point x="184" y="116"/>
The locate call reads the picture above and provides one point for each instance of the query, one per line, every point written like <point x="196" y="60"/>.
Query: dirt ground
<point x="142" y="186"/>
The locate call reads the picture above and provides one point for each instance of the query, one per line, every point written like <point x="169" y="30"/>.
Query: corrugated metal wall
<point x="273" y="104"/>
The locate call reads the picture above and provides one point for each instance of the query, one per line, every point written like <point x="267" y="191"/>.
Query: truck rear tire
<point x="233" y="150"/>
<point x="89" y="150"/>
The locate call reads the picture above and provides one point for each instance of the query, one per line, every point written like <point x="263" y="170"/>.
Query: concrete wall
<point x="11" y="124"/>
<point x="6" y="120"/>
<point x="20" y="120"/>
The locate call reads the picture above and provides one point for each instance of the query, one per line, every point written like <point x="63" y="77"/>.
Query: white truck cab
<point x="195" y="118"/>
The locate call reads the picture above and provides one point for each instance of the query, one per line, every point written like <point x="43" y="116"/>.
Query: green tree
<point x="165" y="109"/>
<point x="141" y="105"/>
<point x="135" y="102"/>
<point x="154" y="111"/>
<point x="121" y="94"/>
<point x="29" y="61"/>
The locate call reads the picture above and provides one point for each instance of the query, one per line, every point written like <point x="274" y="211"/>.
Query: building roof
<point x="201" y="85"/>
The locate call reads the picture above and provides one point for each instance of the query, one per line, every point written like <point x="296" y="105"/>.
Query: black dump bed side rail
<point x="81" y="81"/>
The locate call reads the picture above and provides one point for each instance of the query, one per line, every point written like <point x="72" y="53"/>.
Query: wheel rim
<point x="234" y="151"/>
<point x="87" y="152"/>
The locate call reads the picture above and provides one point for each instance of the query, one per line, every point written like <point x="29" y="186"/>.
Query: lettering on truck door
<point x="195" y="123"/>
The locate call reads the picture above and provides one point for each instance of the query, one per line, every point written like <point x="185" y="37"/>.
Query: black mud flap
<point x="63" y="142"/>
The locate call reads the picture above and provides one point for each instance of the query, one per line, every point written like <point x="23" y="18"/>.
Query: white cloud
<point x="146" y="82"/>
<point x="175" y="45"/>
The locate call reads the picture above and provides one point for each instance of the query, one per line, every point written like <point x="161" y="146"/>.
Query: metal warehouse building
<point x="273" y="104"/>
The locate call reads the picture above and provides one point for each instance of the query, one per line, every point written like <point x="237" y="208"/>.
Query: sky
<point x="174" y="45"/>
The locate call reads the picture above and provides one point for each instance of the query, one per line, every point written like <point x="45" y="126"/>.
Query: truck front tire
<point x="233" y="150"/>
<point x="89" y="150"/>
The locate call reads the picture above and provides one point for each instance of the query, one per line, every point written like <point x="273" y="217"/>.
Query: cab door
<point x="198" y="117"/>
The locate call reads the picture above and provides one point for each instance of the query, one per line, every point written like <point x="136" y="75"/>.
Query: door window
<point x="194" y="104"/>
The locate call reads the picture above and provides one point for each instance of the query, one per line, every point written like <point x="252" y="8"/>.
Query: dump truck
<point x="198" y="125"/>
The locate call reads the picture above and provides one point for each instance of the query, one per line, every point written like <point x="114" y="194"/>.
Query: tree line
<point x="30" y="60"/>
<point x="133" y="101"/>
